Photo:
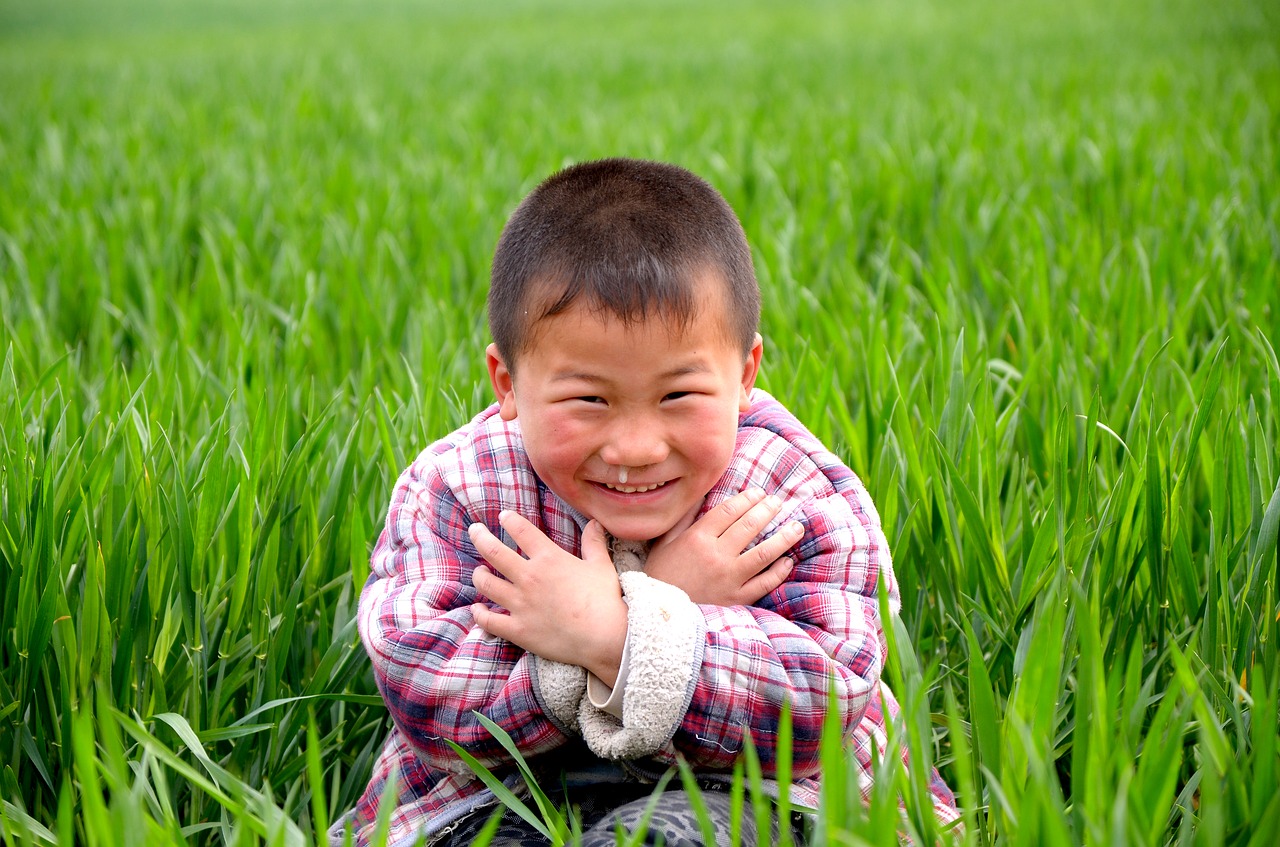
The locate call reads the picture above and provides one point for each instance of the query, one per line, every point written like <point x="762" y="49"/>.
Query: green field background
<point x="1021" y="269"/>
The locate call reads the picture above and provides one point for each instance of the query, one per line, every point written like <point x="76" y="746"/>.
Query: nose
<point x="635" y="441"/>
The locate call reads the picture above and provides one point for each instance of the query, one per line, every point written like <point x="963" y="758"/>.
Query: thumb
<point x="594" y="544"/>
<point x="681" y="525"/>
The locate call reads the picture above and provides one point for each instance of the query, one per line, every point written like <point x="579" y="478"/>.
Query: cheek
<point x="557" y="460"/>
<point x="711" y="439"/>
<point x="556" y="445"/>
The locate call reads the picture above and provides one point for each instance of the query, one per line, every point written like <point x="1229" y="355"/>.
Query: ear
<point x="750" y="368"/>
<point x="504" y="387"/>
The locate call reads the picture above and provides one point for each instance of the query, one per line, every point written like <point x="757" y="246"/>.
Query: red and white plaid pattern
<point x="435" y="668"/>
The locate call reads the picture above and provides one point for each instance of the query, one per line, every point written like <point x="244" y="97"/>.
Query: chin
<point x="629" y="531"/>
<point x="627" y="534"/>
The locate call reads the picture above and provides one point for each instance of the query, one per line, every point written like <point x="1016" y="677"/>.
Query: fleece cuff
<point x="665" y="630"/>
<point x="560" y="688"/>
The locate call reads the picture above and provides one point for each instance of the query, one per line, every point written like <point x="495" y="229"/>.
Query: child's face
<point x="633" y="425"/>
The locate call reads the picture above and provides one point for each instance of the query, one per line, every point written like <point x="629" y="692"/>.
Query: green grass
<point x="1020" y="265"/>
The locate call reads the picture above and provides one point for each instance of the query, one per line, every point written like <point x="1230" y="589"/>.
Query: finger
<point x="727" y="513"/>
<point x="752" y="522"/>
<point x="595" y="546"/>
<point x="782" y="540"/>
<point x="529" y="538"/>
<point x="683" y="524"/>
<point x="488" y="620"/>
<point x="766" y="581"/>
<point x="491" y="585"/>
<point x="504" y="560"/>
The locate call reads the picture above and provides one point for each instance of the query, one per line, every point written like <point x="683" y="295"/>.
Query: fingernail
<point x="755" y="493"/>
<point x="795" y="528"/>
<point x="474" y="528"/>
<point x="773" y="501"/>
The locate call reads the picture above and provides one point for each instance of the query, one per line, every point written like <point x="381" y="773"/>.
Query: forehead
<point x="665" y="323"/>
<point x="582" y="333"/>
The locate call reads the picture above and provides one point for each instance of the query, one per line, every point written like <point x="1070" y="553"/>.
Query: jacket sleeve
<point x="433" y="666"/>
<point x="817" y="635"/>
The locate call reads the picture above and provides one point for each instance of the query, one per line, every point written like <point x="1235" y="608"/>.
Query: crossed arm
<point x="571" y="609"/>
<point x="425" y="627"/>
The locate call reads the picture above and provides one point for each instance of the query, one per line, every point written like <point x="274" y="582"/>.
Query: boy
<point x="632" y="464"/>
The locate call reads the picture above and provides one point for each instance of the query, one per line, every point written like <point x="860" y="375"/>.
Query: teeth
<point x="634" y="489"/>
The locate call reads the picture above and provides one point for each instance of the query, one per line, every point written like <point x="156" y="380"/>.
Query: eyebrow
<point x="582" y="376"/>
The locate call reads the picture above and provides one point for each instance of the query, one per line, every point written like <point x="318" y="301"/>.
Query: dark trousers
<point x="673" y="822"/>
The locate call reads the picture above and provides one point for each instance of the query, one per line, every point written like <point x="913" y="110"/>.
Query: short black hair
<point x="632" y="238"/>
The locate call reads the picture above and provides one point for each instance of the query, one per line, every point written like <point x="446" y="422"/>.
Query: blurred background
<point x="1019" y="265"/>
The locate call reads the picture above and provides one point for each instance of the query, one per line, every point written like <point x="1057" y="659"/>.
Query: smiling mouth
<point x="634" y="489"/>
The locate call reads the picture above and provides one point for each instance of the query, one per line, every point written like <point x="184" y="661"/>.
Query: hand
<point x="706" y="558"/>
<point x="558" y="606"/>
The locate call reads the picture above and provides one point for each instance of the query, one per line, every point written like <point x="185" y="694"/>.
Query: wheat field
<point x="1019" y="263"/>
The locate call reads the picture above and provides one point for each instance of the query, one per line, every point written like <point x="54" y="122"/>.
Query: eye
<point x="590" y="399"/>
<point x="676" y="395"/>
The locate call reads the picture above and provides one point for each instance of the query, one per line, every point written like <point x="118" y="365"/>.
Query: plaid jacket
<point x="434" y="668"/>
